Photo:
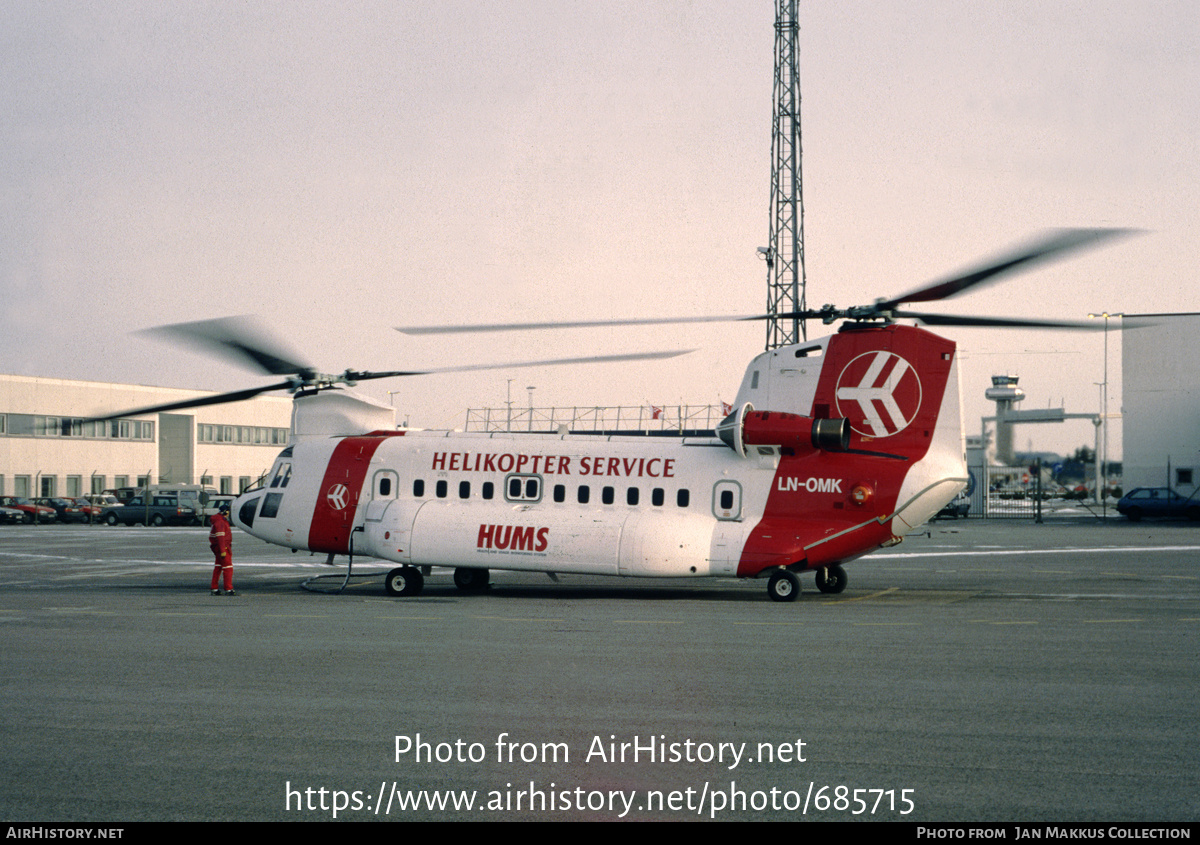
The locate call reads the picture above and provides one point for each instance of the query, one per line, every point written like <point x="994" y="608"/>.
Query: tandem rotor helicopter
<point x="835" y="447"/>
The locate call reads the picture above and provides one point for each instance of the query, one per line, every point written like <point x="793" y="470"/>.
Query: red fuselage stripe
<point x="337" y="498"/>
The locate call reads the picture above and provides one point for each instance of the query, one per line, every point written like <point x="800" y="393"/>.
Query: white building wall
<point x="60" y="459"/>
<point x="1161" y="404"/>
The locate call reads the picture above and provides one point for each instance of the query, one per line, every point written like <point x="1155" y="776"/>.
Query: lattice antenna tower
<point x="785" y="254"/>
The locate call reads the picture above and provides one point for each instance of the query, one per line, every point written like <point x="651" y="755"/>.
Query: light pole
<point x="531" y="388"/>
<point x="508" y="402"/>
<point x="1104" y="409"/>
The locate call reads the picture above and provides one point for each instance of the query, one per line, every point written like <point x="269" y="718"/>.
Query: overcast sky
<point x="342" y="168"/>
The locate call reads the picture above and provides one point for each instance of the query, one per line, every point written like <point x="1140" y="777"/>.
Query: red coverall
<point x="220" y="540"/>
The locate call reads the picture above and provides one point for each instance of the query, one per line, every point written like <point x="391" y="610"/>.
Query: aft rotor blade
<point x="591" y="359"/>
<point x="242" y="339"/>
<point x="218" y="399"/>
<point x="574" y="324"/>
<point x="1054" y="244"/>
<point x="994" y="322"/>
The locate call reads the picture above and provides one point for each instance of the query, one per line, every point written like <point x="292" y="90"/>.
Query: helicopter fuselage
<point x="766" y="494"/>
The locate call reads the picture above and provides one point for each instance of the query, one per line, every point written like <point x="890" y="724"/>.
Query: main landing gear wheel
<point x="783" y="585"/>
<point x="404" y="581"/>
<point x="470" y="580"/>
<point x="831" y="579"/>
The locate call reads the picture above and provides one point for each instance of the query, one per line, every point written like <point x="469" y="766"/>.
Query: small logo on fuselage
<point x="337" y="496"/>
<point x="883" y="388"/>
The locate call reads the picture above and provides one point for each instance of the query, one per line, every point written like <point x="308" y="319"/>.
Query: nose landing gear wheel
<point x="831" y="579"/>
<point x="783" y="585"/>
<point x="403" y="581"/>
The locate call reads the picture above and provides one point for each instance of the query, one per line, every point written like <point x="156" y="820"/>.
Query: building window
<point x="33" y="425"/>
<point x="241" y="435"/>
<point x="1184" y="477"/>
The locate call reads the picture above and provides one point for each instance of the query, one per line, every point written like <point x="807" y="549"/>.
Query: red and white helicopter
<point x="836" y="447"/>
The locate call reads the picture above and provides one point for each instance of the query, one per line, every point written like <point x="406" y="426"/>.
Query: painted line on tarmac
<point x="1026" y="551"/>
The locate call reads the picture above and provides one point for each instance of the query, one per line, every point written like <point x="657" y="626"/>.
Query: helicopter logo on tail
<point x="886" y="389"/>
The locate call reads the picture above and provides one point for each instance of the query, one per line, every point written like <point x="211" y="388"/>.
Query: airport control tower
<point x="1005" y="393"/>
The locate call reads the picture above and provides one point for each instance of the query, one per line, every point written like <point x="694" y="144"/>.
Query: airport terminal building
<point x="48" y="448"/>
<point x="1160" y="405"/>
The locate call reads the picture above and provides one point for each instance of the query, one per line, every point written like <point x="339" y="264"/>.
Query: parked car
<point x="29" y="509"/>
<point x="1157" y="501"/>
<point x="162" y="509"/>
<point x="65" y="509"/>
<point x="8" y="516"/>
<point x="91" y="512"/>
<point x="960" y="505"/>
<point x="104" y="500"/>
<point x="214" y="501"/>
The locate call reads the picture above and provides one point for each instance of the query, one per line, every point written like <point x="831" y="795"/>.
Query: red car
<point x="31" y="511"/>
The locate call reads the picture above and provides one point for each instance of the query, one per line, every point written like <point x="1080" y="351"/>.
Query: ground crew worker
<point x="220" y="540"/>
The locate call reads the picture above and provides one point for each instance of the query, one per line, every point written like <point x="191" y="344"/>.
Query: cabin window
<point x="608" y="495"/>
<point x="631" y="496"/>
<point x="464" y="489"/>
<point x="683" y="498"/>
<point x="387" y="484"/>
<point x="727" y="500"/>
<point x="657" y="497"/>
<point x="585" y="494"/>
<point x="442" y="488"/>
<point x="523" y="488"/>
<point x="418" y="487"/>
<point x="560" y="493"/>
<point x="489" y="490"/>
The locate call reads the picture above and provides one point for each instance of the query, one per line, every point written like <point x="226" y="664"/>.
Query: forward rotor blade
<point x="574" y="324"/>
<point x="218" y="399"/>
<point x="995" y="322"/>
<point x="242" y="339"/>
<point x="591" y="359"/>
<point x="1054" y="244"/>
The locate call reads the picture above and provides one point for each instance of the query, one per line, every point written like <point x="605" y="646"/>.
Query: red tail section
<point x="889" y="383"/>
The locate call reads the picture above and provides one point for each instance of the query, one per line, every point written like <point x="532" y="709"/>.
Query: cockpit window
<point x="246" y="513"/>
<point x="283" y="474"/>
<point x="270" y="506"/>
